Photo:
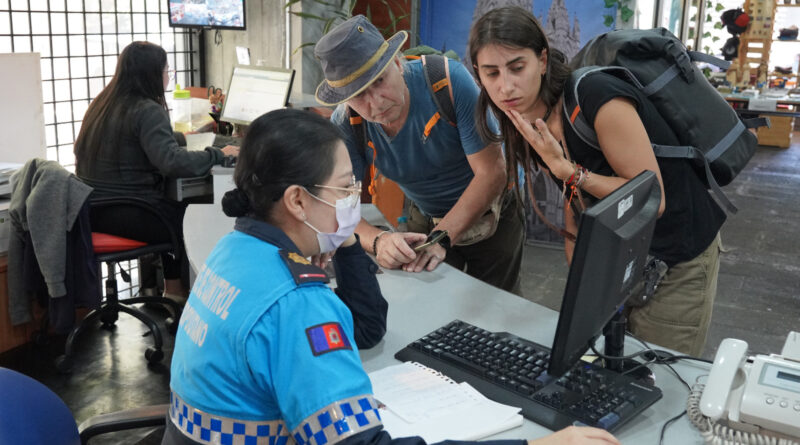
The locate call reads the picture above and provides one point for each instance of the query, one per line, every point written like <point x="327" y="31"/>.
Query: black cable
<point x="667" y="423"/>
<point x="623" y="357"/>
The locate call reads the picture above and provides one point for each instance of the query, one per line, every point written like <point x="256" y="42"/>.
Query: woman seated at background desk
<point x="264" y="349"/>
<point x="126" y="147"/>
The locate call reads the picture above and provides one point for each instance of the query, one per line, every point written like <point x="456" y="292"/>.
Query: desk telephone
<point x="759" y="391"/>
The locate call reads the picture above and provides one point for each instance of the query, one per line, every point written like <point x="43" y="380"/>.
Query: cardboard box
<point x="779" y="135"/>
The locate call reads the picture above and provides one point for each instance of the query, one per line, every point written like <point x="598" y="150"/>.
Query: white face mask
<point x="348" y="215"/>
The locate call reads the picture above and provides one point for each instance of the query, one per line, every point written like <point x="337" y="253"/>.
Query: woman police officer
<point x="264" y="352"/>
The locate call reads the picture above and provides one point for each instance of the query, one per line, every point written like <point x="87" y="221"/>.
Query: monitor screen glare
<point x="227" y="14"/>
<point x="254" y="91"/>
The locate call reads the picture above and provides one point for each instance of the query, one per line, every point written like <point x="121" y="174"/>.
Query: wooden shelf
<point x="787" y="41"/>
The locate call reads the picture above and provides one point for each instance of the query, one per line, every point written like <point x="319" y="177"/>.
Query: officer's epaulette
<point x="302" y="270"/>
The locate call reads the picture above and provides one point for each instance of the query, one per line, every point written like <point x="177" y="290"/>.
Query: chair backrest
<point x="32" y="414"/>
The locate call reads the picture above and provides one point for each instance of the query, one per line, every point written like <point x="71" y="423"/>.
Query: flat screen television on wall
<point x="218" y="14"/>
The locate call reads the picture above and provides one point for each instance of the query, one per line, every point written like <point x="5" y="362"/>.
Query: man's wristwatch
<point x="442" y="237"/>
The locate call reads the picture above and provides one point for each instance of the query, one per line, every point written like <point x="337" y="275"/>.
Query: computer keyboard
<point x="222" y="140"/>
<point x="513" y="371"/>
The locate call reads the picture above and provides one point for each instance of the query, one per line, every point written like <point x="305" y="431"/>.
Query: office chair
<point x="32" y="414"/>
<point x="110" y="250"/>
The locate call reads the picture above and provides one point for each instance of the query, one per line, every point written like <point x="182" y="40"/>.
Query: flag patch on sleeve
<point x="327" y="337"/>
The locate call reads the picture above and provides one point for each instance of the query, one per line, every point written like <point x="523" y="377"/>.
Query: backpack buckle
<point x="682" y="60"/>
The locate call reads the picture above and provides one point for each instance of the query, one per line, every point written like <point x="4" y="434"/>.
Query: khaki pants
<point x="679" y="314"/>
<point x="496" y="260"/>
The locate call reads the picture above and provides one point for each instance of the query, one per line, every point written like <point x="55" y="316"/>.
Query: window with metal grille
<point x="79" y="41"/>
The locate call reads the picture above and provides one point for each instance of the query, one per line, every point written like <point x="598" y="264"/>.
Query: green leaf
<point x="306" y="15"/>
<point x="691" y="33"/>
<point x="714" y="39"/>
<point x="302" y="46"/>
<point x="718" y="25"/>
<point x="706" y="34"/>
<point x="611" y="4"/>
<point x="707" y="49"/>
<point x="626" y="13"/>
<point x="290" y="3"/>
<point x="719" y="7"/>
<point x="708" y="18"/>
<point x="608" y="20"/>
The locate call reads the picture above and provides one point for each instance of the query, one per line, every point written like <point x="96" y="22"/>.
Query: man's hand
<point x="427" y="259"/>
<point x="395" y="249"/>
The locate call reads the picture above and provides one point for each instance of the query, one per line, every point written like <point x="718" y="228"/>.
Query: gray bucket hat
<point x="353" y="55"/>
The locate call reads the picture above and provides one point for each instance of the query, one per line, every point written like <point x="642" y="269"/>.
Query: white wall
<point x="22" y="115"/>
<point x="266" y="36"/>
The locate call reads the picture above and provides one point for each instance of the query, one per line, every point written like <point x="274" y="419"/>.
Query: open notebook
<point x="419" y="401"/>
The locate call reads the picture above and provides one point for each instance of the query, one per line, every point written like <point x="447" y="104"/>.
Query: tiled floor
<point x="757" y="299"/>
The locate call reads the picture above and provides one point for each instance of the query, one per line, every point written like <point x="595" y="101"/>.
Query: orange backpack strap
<point x="362" y="142"/>
<point x="437" y="76"/>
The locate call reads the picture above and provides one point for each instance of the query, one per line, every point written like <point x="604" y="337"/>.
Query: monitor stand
<point x="614" y="333"/>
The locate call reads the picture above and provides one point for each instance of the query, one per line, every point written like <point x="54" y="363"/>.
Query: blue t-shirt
<point x="433" y="173"/>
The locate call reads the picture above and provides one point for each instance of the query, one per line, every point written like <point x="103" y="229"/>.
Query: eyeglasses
<point x="353" y="190"/>
<point x="170" y="72"/>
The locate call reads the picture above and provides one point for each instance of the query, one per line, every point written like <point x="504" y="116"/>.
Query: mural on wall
<point x="569" y="24"/>
<point x="444" y="25"/>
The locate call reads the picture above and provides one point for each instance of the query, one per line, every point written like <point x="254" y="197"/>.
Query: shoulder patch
<point x="327" y="337"/>
<point x="302" y="270"/>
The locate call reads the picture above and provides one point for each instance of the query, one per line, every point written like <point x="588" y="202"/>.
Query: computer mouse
<point x="229" y="161"/>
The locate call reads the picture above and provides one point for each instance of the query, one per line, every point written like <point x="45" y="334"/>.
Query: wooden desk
<point x="13" y="336"/>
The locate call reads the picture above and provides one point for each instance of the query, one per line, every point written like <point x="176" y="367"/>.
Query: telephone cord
<point x="717" y="434"/>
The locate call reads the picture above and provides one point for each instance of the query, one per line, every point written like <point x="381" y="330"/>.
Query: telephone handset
<point x="762" y="391"/>
<point x="726" y="380"/>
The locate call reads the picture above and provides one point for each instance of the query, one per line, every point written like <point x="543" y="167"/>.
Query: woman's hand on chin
<point x="545" y="144"/>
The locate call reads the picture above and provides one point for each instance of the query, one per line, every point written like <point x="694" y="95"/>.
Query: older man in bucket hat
<point x="456" y="181"/>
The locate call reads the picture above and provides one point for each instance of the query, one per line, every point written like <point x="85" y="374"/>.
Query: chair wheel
<point x="171" y="325"/>
<point x="40" y="338"/>
<point x="108" y="320"/>
<point x="153" y="355"/>
<point x="64" y="364"/>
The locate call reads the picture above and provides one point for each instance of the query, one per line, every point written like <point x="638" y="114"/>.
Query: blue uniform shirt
<point x="433" y="173"/>
<point x="259" y="354"/>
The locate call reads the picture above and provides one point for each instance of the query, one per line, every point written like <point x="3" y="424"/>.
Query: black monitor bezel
<point x="229" y="28"/>
<point x="561" y="360"/>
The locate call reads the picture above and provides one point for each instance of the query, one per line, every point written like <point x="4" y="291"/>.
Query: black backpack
<point x="657" y="62"/>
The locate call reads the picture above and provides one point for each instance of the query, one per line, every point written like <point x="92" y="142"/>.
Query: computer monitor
<point x="255" y="90"/>
<point x="221" y="14"/>
<point x="608" y="262"/>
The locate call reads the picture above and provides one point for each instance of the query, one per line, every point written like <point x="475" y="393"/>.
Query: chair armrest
<point x="146" y="416"/>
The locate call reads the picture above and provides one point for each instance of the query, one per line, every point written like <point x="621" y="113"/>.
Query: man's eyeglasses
<point x="353" y="190"/>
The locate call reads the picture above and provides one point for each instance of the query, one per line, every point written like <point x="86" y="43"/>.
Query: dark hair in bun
<point x="235" y="203"/>
<point x="282" y="148"/>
